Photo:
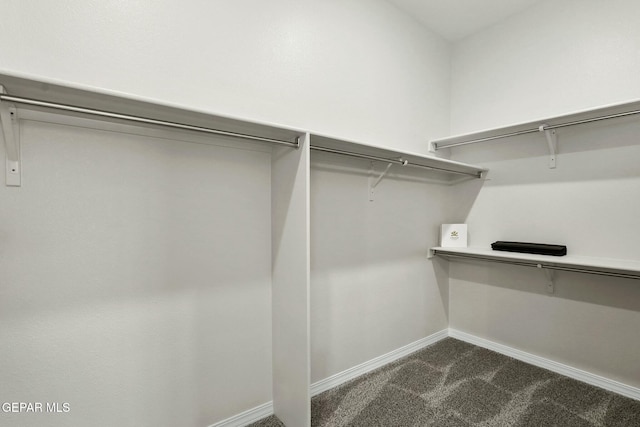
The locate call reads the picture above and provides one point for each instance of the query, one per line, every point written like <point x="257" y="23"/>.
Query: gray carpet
<point x="452" y="383"/>
<point x="271" y="421"/>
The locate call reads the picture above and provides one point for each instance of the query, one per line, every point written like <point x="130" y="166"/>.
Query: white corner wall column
<point x="290" y="285"/>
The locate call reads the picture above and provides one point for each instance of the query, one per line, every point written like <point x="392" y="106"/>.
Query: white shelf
<point x="451" y="170"/>
<point x="592" y="265"/>
<point x="557" y="122"/>
<point x="29" y="93"/>
<point x="69" y="94"/>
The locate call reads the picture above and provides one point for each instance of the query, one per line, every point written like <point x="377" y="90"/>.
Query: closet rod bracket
<point x="374" y="184"/>
<point x="552" y="142"/>
<point x="550" y="276"/>
<point x="11" y="136"/>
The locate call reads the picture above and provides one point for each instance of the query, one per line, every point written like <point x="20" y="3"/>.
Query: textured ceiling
<point x="455" y="19"/>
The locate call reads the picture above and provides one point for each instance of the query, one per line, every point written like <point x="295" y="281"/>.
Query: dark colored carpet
<point x="455" y="384"/>
<point x="271" y="421"/>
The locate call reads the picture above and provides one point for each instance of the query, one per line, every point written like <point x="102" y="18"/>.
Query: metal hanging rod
<point x="399" y="161"/>
<point x="437" y="146"/>
<point x="145" y="120"/>
<point x="538" y="265"/>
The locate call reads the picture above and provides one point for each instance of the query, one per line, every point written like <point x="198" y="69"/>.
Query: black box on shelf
<point x="530" y="248"/>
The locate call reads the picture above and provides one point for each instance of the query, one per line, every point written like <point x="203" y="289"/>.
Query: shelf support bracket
<point x="550" y="276"/>
<point x="11" y="136"/>
<point x="552" y="142"/>
<point x="374" y="184"/>
<point x="377" y="181"/>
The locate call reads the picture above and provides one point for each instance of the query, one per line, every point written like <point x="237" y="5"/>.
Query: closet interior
<point x="52" y="134"/>
<point x="178" y="201"/>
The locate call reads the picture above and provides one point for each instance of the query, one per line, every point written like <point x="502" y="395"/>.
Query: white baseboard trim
<point x="247" y="417"/>
<point x="541" y="362"/>
<point x="363" y="368"/>
<point x="266" y="409"/>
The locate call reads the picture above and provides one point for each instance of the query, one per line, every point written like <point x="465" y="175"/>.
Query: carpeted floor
<point x="452" y="383"/>
<point x="271" y="421"/>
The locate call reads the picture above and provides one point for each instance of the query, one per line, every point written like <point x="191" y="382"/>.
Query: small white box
<point x="453" y="236"/>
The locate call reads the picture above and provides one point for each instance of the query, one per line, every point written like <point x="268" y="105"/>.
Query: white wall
<point x="554" y="58"/>
<point x="372" y="289"/>
<point x="135" y="287"/>
<point x="177" y="347"/>
<point x="365" y="70"/>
